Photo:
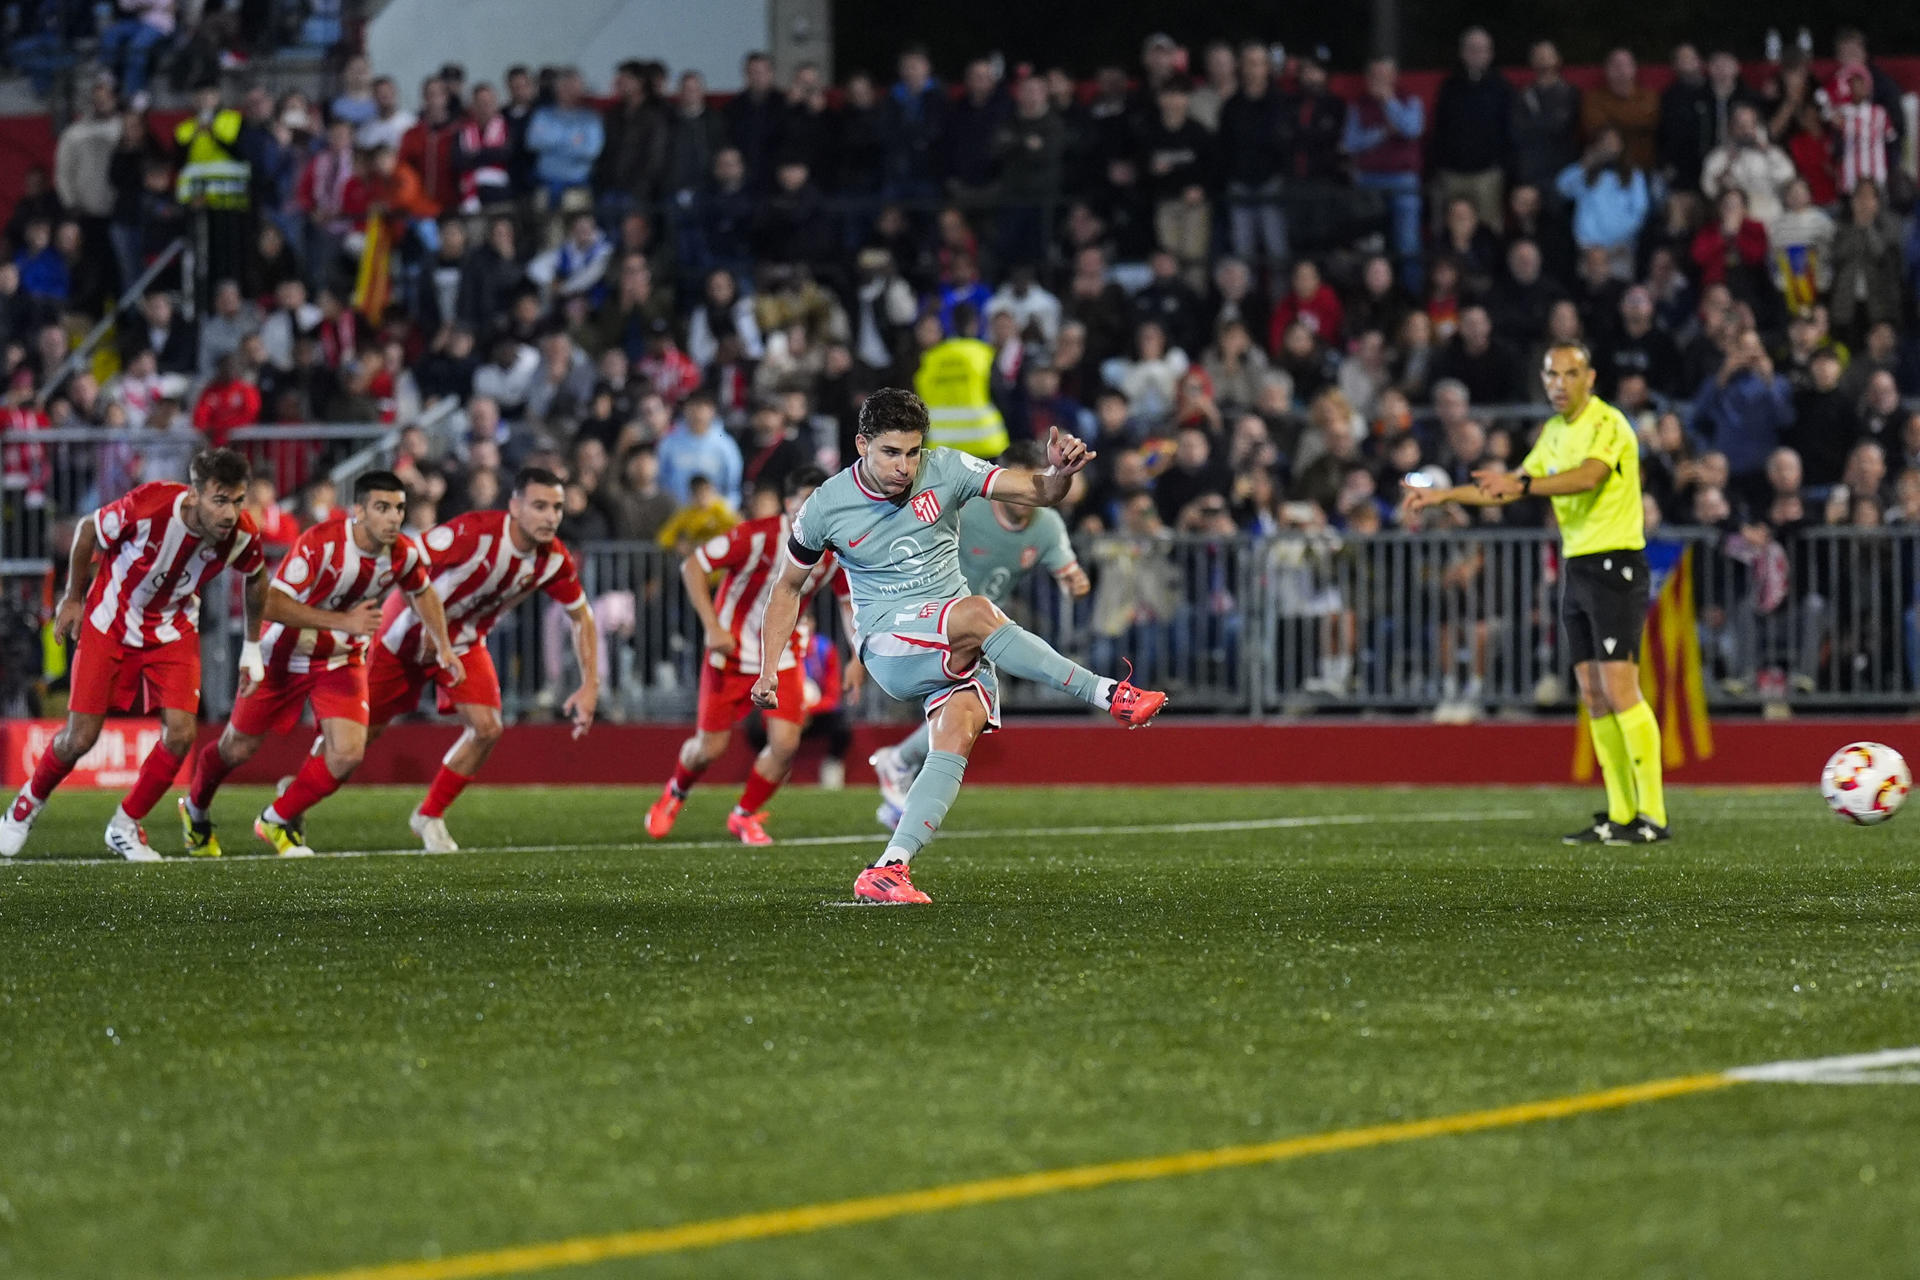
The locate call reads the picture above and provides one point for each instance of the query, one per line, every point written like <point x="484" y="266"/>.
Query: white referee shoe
<point x="894" y="777"/>
<point x="433" y="833"/>
<point x="17" y="822"/>
<point x="125" y="838"/>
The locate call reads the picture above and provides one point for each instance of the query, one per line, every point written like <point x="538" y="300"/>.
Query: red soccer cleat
<point x="1134" y="706"/>
<point x="749" y="827"/>
<point x="890" y="884"/>
<point x="660" y="817"/>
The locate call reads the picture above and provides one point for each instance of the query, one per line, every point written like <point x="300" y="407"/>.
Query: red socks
<point x="446" y="788"/>
<point x="157" y="773"/>
<point x="209" y="771"/>
<point x="314" y="783"/>
<point x="683" y="780"/>
<point x="48" y="774"/>
<point x="756" y="793"/>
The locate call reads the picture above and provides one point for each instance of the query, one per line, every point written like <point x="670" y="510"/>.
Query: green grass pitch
<point x="256" y="1069"/>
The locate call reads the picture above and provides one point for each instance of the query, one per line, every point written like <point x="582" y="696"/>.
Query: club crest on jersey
<point x="1028" y="555"/>
<point x="926" y="507"/>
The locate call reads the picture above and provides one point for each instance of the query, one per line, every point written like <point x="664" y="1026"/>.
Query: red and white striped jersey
<point x="1862" y="128"/>
<point x="480" y="576"/>
<point x="326" y="569"/>
<point x="749" y="556"/>
<point x="147" y="591"/>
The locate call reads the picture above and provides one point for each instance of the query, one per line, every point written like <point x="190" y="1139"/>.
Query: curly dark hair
<point x="892" y="409"/>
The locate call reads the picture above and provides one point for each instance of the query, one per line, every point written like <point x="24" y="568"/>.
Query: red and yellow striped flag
<point x="374" y="284"/>
<point x="1671" y="679"/>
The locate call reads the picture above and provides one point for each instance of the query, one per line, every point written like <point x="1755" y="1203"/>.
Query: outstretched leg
<point x="976" y="628"/>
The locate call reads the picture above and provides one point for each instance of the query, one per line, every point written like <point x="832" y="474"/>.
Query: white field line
<point x="1852" y="1068"/>
<point x="874" y="837"/>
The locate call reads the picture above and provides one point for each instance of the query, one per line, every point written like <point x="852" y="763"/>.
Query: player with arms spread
<point x="1000" y="544"/>
<point x="483" y="564"/>
<point x="138" y="628"/>
<point x="1587" y="461"/>
<point x="892" y="518"/>
<point x="321" y="612"/>
<point x="749" y="555"/>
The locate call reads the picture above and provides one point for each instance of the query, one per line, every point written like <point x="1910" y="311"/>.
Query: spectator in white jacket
<point x="1149" y="380"/>
<point x="1028" y="303"/>
<point x="1747" y="160"/>
<point x="1803" y="231"/>
<point x="83" y="157"/>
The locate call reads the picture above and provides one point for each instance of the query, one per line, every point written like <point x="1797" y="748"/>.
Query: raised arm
<point x="1024" y="487"/>
<point x="776" y="629"/>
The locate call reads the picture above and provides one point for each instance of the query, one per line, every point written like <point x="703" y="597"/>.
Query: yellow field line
<point x="959" y="1195"/>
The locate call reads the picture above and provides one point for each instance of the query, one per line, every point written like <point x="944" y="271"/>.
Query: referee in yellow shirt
<point x="1587" y="461"/>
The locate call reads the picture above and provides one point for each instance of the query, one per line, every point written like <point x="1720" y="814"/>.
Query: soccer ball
<point x="1865" y="782"/>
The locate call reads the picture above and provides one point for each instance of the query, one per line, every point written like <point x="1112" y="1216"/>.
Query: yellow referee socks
<point x="1642" y="736"/>
<point x="1616" y="766"/>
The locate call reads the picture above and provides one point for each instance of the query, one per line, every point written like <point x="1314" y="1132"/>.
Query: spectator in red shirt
<point x="1732" y="250"/>
<point x="1311" y="301"/>
<point x="428" y="149"/>
<point x="229" y="401"/>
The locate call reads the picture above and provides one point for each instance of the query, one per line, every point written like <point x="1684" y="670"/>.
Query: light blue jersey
<point x="995" y="559"/>
<point x="895" y="553"/>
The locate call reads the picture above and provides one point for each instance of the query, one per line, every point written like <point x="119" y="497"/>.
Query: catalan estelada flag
<point x="1797" y="265"/>
<point x="374" y="284"/>
<point x="1670" y="674"/>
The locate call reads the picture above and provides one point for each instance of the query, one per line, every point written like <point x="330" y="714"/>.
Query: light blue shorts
<point x="907" y="656"/>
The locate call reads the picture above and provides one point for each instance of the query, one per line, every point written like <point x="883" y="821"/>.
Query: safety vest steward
<point x="212" y="171"/>
<point x="955" y="380"/>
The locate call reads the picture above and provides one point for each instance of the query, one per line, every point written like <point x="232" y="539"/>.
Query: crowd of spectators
<point x="1265" y="302"/>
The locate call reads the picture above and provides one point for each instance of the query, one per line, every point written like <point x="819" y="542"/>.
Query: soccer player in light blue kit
<point x="892" y="518"/>
<point x="1000" y="544"/>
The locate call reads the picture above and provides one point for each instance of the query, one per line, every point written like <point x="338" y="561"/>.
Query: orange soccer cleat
<point x="751" y="828"/>
<point x="660" y="817"/>
<point x="890" y="884"/>
<point x="1134" y="706"/>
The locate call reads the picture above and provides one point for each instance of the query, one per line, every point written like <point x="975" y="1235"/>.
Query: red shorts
<point x="727" y="696"/>
<point x="394" y="684"/>
<point x="109" y="676"/>
<point x="275" y="706"/>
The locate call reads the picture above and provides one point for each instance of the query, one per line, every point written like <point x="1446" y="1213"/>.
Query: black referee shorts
<point x="1603" y="605"/>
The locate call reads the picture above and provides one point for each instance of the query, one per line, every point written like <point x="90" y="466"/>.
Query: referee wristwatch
<point x="1526" y="484"/>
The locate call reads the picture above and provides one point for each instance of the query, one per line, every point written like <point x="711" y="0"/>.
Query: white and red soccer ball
<point x="1865" y="782"/>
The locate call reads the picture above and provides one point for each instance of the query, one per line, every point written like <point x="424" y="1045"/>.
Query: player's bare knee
<point x="974" y="619"/>
<point x="237" y="748"/>
<point x="487" y="731"/>
<point x="177" y="741"/>
<point x="343" y="760"/>
<point x="76" y="739"/>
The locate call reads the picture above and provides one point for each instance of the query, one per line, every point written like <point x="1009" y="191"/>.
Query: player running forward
<point x="1000" y="544"/>
<point x="137" y="624"/>
<point x="892" y="518"/>
<point x="749" y="557"/>
<point x="483" y="564"/>
<point x="323" y="607"/>
<point x="1587" y="461"/>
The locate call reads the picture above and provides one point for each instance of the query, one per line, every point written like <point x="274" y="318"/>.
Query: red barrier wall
<point x="1067" y="752"/>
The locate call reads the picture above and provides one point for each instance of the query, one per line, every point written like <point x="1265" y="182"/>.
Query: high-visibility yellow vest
<point x="212" y="168"/>
<point x="956" y="379"/>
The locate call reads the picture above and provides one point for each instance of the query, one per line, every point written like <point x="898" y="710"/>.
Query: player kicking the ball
<point x="892" y="518"/>
<point x="483" y="564"/>
<point x="749" y="557"/>
<point x="137" y="624"/>
<point x="1000" y="544"/>
<point x="323" y="607"/>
